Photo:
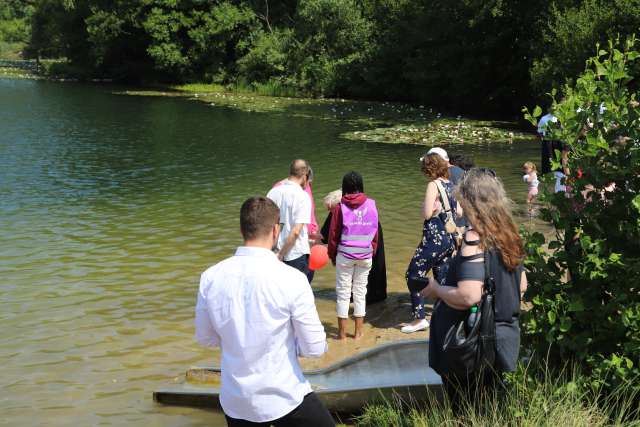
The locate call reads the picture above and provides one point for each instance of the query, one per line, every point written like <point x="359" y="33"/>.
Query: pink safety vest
<point x="359" y="227"/>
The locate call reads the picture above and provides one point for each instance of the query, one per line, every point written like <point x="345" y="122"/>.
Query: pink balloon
<point x="318" y="257"/>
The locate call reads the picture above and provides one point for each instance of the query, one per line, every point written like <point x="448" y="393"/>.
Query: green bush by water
<point x="584" y="293"/>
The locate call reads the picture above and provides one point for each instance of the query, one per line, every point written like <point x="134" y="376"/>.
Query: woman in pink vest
<point x="353" y="241"/>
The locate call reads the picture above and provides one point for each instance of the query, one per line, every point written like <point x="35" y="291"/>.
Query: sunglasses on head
<point x="488" y="171"/>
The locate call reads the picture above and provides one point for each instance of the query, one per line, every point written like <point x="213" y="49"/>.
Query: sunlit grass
<point x="200" y="87"/>
<point x="272" y="88"/>
<point x="545" y="399"/>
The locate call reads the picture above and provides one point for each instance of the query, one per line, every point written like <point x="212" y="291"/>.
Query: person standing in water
<point x="531" y="178"/>
<point x="353" y="239"/>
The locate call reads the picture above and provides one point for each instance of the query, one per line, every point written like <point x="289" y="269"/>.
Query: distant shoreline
<point x="379" y="122"/>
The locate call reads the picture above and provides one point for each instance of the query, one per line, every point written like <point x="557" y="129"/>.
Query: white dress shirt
<point x="544" y="123"/>
<point x="262" y="315"/>
<point x="295" y="208"/>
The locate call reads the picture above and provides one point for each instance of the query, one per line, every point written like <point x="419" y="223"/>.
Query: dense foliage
<point x="586" y="280"/>
<point x="15" y="24"/>
<point x="480" y="56"/>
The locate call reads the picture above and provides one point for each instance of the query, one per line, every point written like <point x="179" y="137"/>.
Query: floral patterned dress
<point x="433" y="253"/>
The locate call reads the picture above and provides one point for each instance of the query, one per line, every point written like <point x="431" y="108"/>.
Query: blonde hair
<point x="487" y="208"/>
<point x="332" y="199"/>
<point x="530" y="165"/>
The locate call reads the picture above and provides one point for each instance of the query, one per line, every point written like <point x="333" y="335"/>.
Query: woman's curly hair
<point x="434" y="166"/>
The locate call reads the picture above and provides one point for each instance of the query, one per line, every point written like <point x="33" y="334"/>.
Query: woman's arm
<point x="467" y="294"/>
<point x="430" y="196"/>
<point x="523" y="284"/>
<point x="459" y="211"/>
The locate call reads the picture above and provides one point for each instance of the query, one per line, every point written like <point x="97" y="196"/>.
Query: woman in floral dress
<point x="437" y="246"/>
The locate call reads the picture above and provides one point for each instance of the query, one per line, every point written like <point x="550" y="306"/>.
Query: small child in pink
<point x="531" y="178"/>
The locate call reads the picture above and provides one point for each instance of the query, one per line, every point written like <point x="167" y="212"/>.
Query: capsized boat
<point x="392" y="371"/>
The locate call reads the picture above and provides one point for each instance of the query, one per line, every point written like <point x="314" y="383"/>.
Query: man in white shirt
<point x="262" y="315"/>
<point x="548" y="148"/>
<point x="295" y="214"/>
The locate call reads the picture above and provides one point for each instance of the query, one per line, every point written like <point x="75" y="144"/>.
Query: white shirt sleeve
<point x="310" y="337"/>
<point x="302" y="210"/>
<point x="206" y="335"/>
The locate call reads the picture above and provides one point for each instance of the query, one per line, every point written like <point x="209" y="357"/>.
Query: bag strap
<point x="443" y="196"/>
<point x="489" y="281"/>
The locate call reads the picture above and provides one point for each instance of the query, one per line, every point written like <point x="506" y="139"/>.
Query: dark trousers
<point x="302" y="264"/>
<point x="310" y="413"/>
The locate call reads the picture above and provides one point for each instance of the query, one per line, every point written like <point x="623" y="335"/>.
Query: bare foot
<point x="358" y="336"/>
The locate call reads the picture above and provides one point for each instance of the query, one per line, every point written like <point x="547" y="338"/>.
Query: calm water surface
<point x="112" y="206"/>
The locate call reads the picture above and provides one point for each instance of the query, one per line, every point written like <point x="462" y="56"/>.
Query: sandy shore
<point x="382" y="325"/>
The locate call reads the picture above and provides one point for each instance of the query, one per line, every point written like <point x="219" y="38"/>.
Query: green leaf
<point x="636" y="202"/>
<point x="576" y="305"/>
<point x="551" y="315"/>
<point x="537" y="112"/>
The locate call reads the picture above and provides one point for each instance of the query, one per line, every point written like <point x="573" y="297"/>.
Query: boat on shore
<point x="395" y="371"/>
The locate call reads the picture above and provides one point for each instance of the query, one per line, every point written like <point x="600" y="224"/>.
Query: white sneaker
<point x="421" y="325"/>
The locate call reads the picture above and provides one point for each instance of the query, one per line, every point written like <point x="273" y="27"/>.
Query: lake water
<point x="111" y="207"/>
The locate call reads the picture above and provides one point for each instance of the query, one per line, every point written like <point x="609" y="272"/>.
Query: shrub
<point x="334" y="42"/>
<point x="585" y="287"/>
<point x="267" y="58"/>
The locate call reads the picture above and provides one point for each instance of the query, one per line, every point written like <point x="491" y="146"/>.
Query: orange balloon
<point x="318" y="257"/>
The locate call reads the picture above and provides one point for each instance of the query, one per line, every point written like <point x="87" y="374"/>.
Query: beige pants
<point x="351" y="277"/>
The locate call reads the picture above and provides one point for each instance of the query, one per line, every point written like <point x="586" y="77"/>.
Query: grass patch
<point x="200" y="87"/>
<point x="11" y="50"/>
<point x="271" y="89"/>
<point x="543" y="399"/>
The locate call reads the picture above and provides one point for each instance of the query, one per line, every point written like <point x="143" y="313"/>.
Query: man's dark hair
<point x="461" y="161"/>
<point x="299" y="168"/>
<point x="257" y="216"/>
<point x="352" y="183"/>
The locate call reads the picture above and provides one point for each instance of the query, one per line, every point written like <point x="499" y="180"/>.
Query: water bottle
<point x="474" y="316"/>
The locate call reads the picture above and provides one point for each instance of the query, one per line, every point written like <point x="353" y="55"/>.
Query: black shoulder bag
<point x="472" y="352"/>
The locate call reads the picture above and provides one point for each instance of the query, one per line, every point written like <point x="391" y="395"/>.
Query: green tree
<point x="571" y="32"/>
<point x="584" y="282"/>
<point x="334" y="40"/>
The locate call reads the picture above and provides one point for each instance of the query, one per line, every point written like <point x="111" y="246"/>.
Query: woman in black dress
<point x="493" y="239"/>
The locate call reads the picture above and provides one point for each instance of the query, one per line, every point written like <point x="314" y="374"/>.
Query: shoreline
<point x="371" y="121"/>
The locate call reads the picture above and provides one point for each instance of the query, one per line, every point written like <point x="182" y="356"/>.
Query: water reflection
<point x="112" y="206"/>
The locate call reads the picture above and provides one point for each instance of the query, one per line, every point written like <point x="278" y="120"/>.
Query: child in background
<point x="353" y="241"/>
<point x="531" y="178"/>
